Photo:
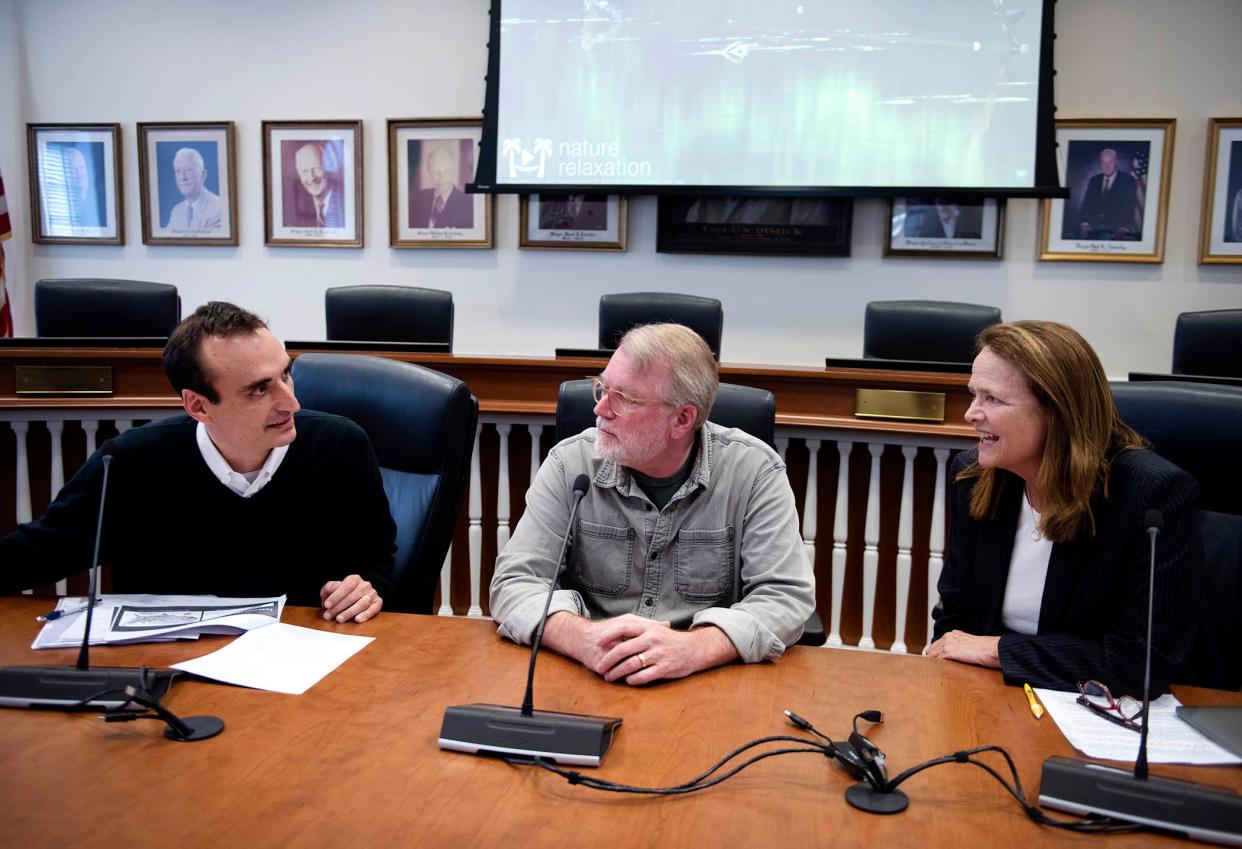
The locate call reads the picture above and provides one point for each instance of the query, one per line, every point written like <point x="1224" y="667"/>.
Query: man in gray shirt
<point x="686" y="552"/>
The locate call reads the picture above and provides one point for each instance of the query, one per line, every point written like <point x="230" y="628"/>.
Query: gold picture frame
<point x="188" y="198"/>
<point x="430" y="161"/>
<point x="312" y="184"/>
<point x="1220" y="224"/>
<point x="1111" y="214"/>
<point x="75" y="184"/>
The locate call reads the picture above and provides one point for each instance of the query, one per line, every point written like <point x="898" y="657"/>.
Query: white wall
<point x="173" y="60"/>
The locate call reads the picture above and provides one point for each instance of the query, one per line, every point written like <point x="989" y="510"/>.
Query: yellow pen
<point x="1036" y="708"/>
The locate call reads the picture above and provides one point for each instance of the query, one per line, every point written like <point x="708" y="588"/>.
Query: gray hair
<point x="198" y="157"/>
<point x="692" y="375"/>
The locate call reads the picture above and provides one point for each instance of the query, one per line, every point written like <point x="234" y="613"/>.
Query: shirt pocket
<point x="703" y="564"/>
<point x="603" y="558"/>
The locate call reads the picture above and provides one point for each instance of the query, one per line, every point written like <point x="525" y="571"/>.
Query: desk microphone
<point x="105" y="687"/>
<point x="1201" y="811"/>
<point x="567" y="738"/>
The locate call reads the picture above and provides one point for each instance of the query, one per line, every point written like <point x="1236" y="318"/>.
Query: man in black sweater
<point x="242" y="496"/>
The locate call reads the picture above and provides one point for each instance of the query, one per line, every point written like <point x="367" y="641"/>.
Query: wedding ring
<point x="642" y="661"/>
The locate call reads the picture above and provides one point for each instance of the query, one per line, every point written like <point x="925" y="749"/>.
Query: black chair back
<point x="1208" y="343"/>
<point x="421" y="424"/>
<point x="742" y="407"/>
<point x="621" y="312"/>
<point x="1196" y="426"/>
<point x="930" y="331"/>
<point x="88" y="307"/>
<point x="389" y="314"/>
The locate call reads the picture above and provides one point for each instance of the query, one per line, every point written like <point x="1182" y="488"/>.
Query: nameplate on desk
<point x="63" y="380"/>
<point x="899" y="404"/>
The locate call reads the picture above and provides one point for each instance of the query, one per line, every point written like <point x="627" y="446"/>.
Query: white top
<point x="1028" y="568"/>
<point x="244" y="484"/>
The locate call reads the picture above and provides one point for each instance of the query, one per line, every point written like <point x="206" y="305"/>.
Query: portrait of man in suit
<point x="1233" y="211"/>
<point x="77" y="182"/>
<point x="436" y="198"/>
<point x="200" y="209"/>
<point x="1109" y="206"/>
<point x="573" y="212"/>
<point x="314" y="198"/>
<point x="944" y="218"/>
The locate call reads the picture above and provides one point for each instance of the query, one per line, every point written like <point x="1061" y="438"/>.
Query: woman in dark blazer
<point x="1047" y="572"/>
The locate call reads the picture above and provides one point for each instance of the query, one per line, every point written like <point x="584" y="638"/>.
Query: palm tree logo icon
<point x="523" y="161"/>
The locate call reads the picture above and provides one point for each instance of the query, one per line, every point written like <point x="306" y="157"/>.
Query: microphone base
<point x="864" y="797"/>
<point x="201" y="728"/>
<point x="67" y="688"/>
<point x="1200" y="811"/>
<point x="567" y="738"/>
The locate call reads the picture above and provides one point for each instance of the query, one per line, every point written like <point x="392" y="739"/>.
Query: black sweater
<point x="1093" y="615"/>
<point x="171" y="527"/>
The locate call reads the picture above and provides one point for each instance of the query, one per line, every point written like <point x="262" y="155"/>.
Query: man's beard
<point x="632" y="449"/>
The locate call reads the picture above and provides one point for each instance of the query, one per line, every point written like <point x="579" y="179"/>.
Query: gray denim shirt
<point x="725" y="551"/>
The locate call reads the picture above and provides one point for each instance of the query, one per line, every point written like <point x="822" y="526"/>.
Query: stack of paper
<point x="153" y="618"/>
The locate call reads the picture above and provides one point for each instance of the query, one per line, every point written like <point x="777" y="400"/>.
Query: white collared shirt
<point x="1028" y="569"/>
<point x="246" y="484"/>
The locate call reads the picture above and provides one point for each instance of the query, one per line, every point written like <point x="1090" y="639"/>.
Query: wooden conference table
<point x="354" y="761"/>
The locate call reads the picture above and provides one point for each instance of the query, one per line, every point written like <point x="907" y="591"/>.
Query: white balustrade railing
<point x="19" y="421"/>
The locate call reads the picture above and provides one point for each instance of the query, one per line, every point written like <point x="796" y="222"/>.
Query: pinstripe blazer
<point x="1093" y="614"/>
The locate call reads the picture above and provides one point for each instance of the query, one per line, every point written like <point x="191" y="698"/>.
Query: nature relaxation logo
<point x="523" y="161"/>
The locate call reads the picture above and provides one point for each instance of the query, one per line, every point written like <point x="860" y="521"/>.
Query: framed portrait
<point x="572" y="222"/>
<point x="188" y="183"/>
<point x="733" y="224"/>
<point x="1220" y="228"/>
<point x="430" y="161"/>
<point x="1117" y="173"/>
<point x="945" y="227"/>
<point x="312" y="183"/>
<point x="75" y="184"/>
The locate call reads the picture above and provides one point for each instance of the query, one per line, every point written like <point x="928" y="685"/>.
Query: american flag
<point x="1138" y="168"/>
<point x="6" y="230"/>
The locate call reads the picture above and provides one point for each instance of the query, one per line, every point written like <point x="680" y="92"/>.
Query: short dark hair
<point x="181" y="355"/>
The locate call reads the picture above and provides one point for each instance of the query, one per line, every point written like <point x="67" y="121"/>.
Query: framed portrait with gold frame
<point x="572" y="222"/>
<point x="75" y="184"/>
<point x="430" y="161"/>
<point x="1117" y="173"/>
<point x="1220" y="228"/>
<point x="312" y="184"/>
<point x="187" y="182"/>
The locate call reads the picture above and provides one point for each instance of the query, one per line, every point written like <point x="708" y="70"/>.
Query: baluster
<point x="782" y="444"/>
<point x="475" y="532"/>
<point x="905" y="538"/>
<point x="446" y="585"/>
<point x="840" y="539"/>
<point x="502" y="489"/>
<point x="123" y="425"/>
<point x="536" y="436"/>
<point x="22" y="473"/>
<point x="810" y="508"/>
<point x="871" y="548"/>
<point x="935" y="558"/>
<point x="56" y="433"/>
<point x="90" y="427"/>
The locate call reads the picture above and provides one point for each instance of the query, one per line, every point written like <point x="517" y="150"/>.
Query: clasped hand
<point x="351" y="598"/>
<point x="638" y="650"/>
<point x="967" y="648"/>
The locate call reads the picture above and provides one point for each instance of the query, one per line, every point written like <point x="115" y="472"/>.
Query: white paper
<point x="281" y="658"/>
<point x="1169" y="739"/>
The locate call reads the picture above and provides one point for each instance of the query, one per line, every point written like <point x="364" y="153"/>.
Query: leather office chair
<point x="421" y="424"/>
<point x="1208" y="343"/>
<point x="618" y="313"/>
<point x="105" y="308"/>
<point x="389" y="314"/>
<point x="1198" y="426"/>
<point x="743" y="407"/>
<point x="926" y="331"/>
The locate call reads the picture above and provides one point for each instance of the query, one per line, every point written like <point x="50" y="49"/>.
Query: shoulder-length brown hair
<point x="1085" y="430"/>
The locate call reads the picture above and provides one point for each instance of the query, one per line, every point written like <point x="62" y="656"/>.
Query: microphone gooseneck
<point x="1154" y="522"/>
<point x="581" y="484"/>
<point x="84" y="653"/>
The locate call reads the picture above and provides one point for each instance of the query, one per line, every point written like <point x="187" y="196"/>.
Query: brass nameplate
<point x="64" y="380"/>
<point x="899" y="404"/>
